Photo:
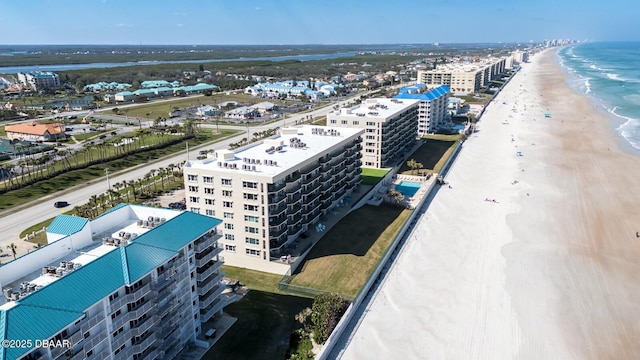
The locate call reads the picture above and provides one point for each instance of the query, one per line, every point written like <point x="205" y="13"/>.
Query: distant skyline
<point x="290" y="22"/>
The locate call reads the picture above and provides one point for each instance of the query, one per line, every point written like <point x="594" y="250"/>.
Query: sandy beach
<point x="547" y="270"/>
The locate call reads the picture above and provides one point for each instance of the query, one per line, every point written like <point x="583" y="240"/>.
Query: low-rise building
<point x="39" y="80"/>
<point x="134" y="283"/>
<point x="33" y="131"/>
<point x="390" y="128"/>
<point x="269" y="193"/>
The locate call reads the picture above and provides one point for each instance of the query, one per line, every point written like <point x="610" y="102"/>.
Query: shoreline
<point x="548" y="270"/>
<point x="615" y="121"/>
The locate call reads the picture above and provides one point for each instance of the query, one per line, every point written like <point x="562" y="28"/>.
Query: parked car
<point x="68" y="128"/>
<point x="92" y="129"/>
<point x="60" y="204"/>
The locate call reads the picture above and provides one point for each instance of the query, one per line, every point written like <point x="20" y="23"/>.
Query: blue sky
<point x="228" y="22"/>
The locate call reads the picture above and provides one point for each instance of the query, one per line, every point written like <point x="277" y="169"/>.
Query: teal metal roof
<point x="119" y="206"/>
<point x="31" y="323"/>
<point x="67" y="225"/>
<point x="141" y="259"/>
<point x="176" y="233"/>
<point x="43" y="313"/>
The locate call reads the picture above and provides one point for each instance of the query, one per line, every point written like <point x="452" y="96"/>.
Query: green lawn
<point x="265" y="322"/>
<point x="344" y="258"/>
<point x="432" y="154"/>
<point x="255" y="280"/>
<point x="371" y="176"/>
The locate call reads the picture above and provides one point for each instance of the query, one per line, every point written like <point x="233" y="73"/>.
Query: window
<point x="207" y="179"/>
<point x="226" y="182"/>
<point x="251" y="207"/>
<point x="253" y="252"/>
<point x="251" y="229"/>
<point x="227" y="215"/>
<point x="250" y="196"/>
<point x="368" y="137"/>
<point x="194" y="199"/>
<point x="228" y="226"/>
<point x="231" y="248"/>
<point x="250" y="218"/>
<point x="191" y="177"/>
<point x="209" y="201"/>
<point x="195" y="210"/>
<point x="343" y="122"/>
<point x="333" y="122"/>
<point x="116" y="314"/>
<point x="356" y="122"/>
<point x="249" y="185"/>
<point x="370" y="144"/>
<point x="193" y="188"/>
<point x="113" y="296"/>
<point x="229" y="237"/>
<point x="252" y="241"/>
<point x="227" y="204"/>
<point x="371" y="123"/>
<point x="226" y="193"/>
<point x="115" y="333"/>
<point x="210" y="212"/>
<point x="208" y="191"/>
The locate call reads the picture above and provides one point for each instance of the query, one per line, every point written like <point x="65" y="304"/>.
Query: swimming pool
<point x="408" y="188"/>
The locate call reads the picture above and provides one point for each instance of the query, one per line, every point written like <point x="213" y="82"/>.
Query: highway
<point x="14" y="221"/>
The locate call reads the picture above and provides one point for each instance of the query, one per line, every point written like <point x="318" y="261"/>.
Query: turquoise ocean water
<point x="609" y="73"/>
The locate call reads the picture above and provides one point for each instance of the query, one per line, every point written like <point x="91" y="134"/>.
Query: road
<point x="14" y="221"/>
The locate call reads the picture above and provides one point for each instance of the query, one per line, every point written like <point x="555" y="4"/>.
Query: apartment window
<point x="226" y="182"/>
<point x="207" y="179"/>
<point x="249" y="185"/>
<point x="113" y="296"/>
<point x="193" y="188"/>
<point x="355" y="122"/>
<point x="370" y="150"/>
<point x="343" y="122"/>
<point x="228" y="226"/>
<point x="333" y="122"/>
<point x="229" y="237"/>
<point x="227" y="193"/>
<point x="251" y="229"/>
<point x="250" y="196"/>
<point x="251" y="207"/>
<point x="253" y="252"/>
<point x="191" y="177"/>
<point x="252" y="241"/>
<point x="227" y="215"/>
<point x="194" y="199"/>
<point x="370" y="144"/>
<point x="208" y="191"/>
<point x="195" y="210"/>
<point x="116" y="314"/>
<point x="209" y="201"/>
<point x="210" y="212"/>
<point x="115" y="333"/>
<point x="231" y="248"/>
<point x="371" y="123"/>
<point x="227" y="204"/>
<point x="370" y="130"/>
<point x="250" y="218"/>
<point x="368" y="137"/>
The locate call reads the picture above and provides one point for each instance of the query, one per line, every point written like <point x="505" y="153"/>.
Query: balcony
<point x="143" y="326"/>
<point x="295" y="219"/>
<point x="204" y="272"/>
<point x="276" y="231"/>
<point x="294" y="209"/>
<point x="121" y="300"/>
<point x="207" y="313"/>
<point x="276" y="199"/>
<point x="91" y="343"/>
<point x="78" y="335"/>
<point x="273" y="188"/>
<point x="293" y="177"/>
<point x="277" y="220"/>
<point x="277" y="209"/>
<point x="206" y="241"/>
<point x="292" y="199"/>
<point x="209" y="284"/>
<point x="211" y="297"/>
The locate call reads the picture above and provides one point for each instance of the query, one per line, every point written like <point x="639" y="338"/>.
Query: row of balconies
<point x="205" y="286"/>
<point x="209" y="242"/>
<point x="89" y="323"/>
<point x="211" y="310"/>
<point x="92" y="342"/>
<point x="211" y="296"/>
<point x="122" y="300"/>
<point x="204" y="272"/>
<point x="134" y="314"/>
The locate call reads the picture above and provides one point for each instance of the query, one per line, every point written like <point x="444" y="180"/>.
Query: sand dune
<point x="545" y="272"/>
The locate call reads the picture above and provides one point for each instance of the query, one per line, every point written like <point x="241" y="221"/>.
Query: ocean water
<point x="609" y="73"/>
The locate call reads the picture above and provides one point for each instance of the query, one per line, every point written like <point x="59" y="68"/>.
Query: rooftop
<point x="429" y="95"/>
<point x="291" y="147"/>
<point x="374" y="108"/>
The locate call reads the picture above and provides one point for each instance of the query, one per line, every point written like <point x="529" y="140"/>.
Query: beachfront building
<point x="269" y="193"/>
<point x="33" y="131"/>
<point x="433" y="109"/>
<point x="134" y="283"/>
<point x="39" y="80"/>
<point x="520" y="57"/>
<point x="390" y="128"/>
<point x="290" y="89"/>
<point x="463" y="78"/>
<point x="103" y="86"/>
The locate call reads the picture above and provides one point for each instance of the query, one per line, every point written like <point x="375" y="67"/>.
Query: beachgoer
<point x="637" y="234"/>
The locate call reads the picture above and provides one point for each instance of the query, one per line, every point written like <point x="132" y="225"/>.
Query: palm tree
<point x="13" y="248"/>
<point x="413" y="164"/>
